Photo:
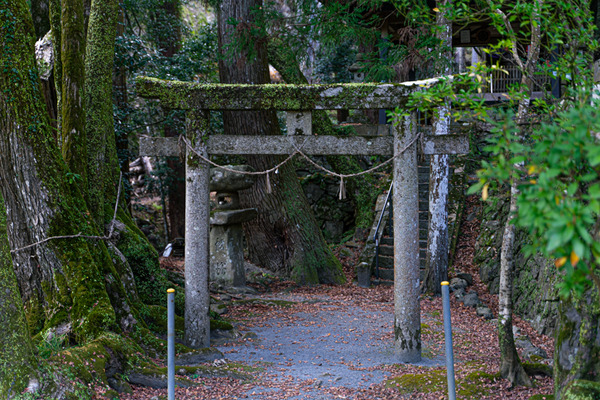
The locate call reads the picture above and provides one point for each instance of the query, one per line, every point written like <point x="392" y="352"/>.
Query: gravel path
<point x="329" y="345"/>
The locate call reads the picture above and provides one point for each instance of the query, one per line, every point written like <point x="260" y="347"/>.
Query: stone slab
<point x="231" y="217"/>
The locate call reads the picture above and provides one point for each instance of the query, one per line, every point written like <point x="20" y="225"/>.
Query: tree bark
<point x="62" y="281"/>
<point x="17" y="361"/>
<point x="362" y="189"/>
<point x="510" y="364"/>
<point x="73" y="80"/>
<point x="54" y="6"/>
<point x="169" y="42"/>
<point x="102" y="164"/>
<point x="437" y="239"/>
<point x="285" y="236"/>
<point x="40" y="11"/>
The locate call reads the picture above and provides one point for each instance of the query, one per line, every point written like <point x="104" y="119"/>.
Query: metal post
<point x="171" y="343"/>
<point x="448" y="335"/>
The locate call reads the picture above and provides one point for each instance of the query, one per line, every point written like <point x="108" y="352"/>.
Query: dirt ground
<point x="336" y="342"/>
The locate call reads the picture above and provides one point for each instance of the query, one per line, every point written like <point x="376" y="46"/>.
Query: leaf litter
<point x="336" y="342"/>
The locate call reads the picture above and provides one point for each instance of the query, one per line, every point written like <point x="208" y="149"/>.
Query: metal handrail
<point x="376" y="235"/>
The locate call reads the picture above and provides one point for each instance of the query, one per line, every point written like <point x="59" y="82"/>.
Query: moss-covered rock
<point x="582" y="390"/>
<point x="435" y="380"/>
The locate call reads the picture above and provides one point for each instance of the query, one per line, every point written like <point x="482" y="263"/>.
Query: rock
<point x="529" y="350"/>
<point x="465" y="276"/>
<point x="225" y="181"/>
<point x="485" y="312"/>
<point x="154" y="381"/>
<point x="119" y="386"/>
<point x="219" y="309"/>
<point x="470" y="299"/>
<point x="460" y="293"/>
<point x="516" y="331"/>
<point x="457" y="283"/>
<point x="198" y="357"/>
<point x="582" y="390"/>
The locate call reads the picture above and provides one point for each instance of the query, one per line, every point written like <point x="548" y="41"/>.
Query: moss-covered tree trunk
<point x="40" y="11"/>
<point x="167" y="34"/>
<point x="70" y="283"/>
<point x="54" y="9"/>
<point x="17" y="362"/>
<point x="362" y="189"/>
<point x="102" y="163"/>
<point x="285" y="236"/>
<point x="72" y="54"/>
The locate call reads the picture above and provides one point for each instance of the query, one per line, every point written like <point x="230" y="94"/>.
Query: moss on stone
<point x="220" y="324"/>
<point x="435" y="380"/>
<point x="156" y="319"/>
<point x="537" y="368"/>
<point x="230" y="370"/>
<point x="581" y="389"/>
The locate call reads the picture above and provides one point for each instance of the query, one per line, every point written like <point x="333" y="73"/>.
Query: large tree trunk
<point x="285" y="236"/>
<point x="437" y="238"/>
<point x="362" y="189"/>
<point x="73" y="79"/>
<point x="63" y="282"/>
<point x="40" y="11"/>
<point x="15" y="342"/>
<point x="102" y="164"/>
<point x="169" y="42"/>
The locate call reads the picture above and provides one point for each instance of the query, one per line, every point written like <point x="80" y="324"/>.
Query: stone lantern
<point x="226" y="235"/>
<point x="355" y="70"/>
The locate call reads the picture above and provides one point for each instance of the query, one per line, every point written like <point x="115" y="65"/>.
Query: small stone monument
<point x="226" y="235"/>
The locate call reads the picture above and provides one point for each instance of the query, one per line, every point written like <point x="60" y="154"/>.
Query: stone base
<point x="363" y="274"/>
<point x="227" y="255"/>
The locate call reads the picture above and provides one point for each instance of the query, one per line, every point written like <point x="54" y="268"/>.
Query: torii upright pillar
<point x="407" y="316"/>
<point x="197" y="214"/>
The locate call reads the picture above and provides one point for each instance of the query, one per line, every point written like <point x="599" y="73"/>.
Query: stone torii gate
<point x="298" y="101"/>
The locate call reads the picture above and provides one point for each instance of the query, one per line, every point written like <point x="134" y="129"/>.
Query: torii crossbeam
<point x="298" y="101"/>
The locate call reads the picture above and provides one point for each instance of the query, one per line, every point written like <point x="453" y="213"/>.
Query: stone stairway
<point x="386" y="244"/>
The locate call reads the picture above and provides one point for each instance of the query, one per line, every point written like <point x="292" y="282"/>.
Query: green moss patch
<point x="231" y="370"/>
<point x="581" y="389"/>
<point x="435" y="380"/>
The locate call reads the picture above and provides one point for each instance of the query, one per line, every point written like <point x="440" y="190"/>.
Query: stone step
<point x="376" y="282"/>
<point x="386" y="250"/>
<point x="387" y="240"/>
<point x="385" y="261"/>
<point x="386" y="274"/>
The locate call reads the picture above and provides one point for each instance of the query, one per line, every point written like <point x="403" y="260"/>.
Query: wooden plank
<point x="187" y="95"/>
<point x="311" y="145"/>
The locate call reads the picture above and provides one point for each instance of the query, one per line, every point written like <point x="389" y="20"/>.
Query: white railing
<point x="509" y="75"/>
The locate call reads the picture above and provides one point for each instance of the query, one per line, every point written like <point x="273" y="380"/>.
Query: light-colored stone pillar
<point x="407" y="312"/>
<point x="197" y="211"/>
